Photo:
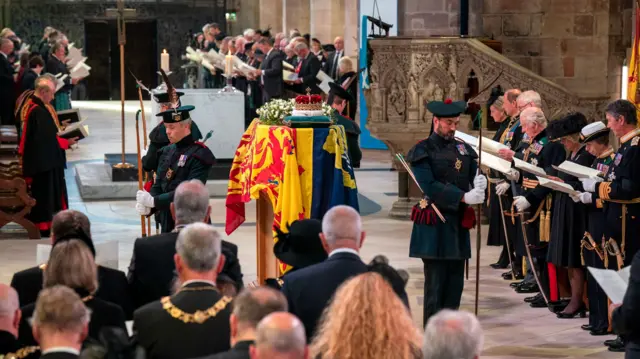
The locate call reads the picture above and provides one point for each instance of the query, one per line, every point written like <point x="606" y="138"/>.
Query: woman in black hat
<point x="299" y="248"/>
<point x="569" y="219"/>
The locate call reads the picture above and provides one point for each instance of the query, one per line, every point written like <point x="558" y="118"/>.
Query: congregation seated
<point x="366" y="320"/>
<point x="249" y="308"/>
<point x="71" y="224"/>
<point x="71" y="264"/>
<point x="452" y="334"/>
<point x="194" y="321"/>
<point x="60" y="323"/>
<point x="152" y="269"/>
<point x="280" y="335"/>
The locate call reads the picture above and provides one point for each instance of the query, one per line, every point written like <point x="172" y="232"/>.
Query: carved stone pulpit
<point x="406" y="73"/>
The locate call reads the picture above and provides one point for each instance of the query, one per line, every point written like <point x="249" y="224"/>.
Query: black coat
<point x="164" y="336"/>
<point x="103" y="314"/>
<point x="626" y="318"/>
<point x="112" y="287"/>
<point x="272" y="75"/>
<point x="308" y="290"/>
<point x="330" y="68"/>
<point x="308" y="71"/>
<point x="152" y="269"/>
<point x="55" y="67"/>
<point x="239" y="351"/>
<point x="7" y="92"/>
<point x="28" y="81"/>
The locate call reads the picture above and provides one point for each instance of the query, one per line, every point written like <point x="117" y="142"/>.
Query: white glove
<point x="513" y="174"/>
<point x="480" y="182"/>
<point x="521" y="203"/>
<point x="143" y="152"/>
<point x="475" y="196"/>
<point x="142" y="210"/>
<point x="502" y="188"/>
<point x="575" y="197"/>
<point x="145" y="198"/>
<point x="585" y="197"/>
<point x="589" y="184"/>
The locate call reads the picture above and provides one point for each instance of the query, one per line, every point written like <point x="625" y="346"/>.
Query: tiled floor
<point x="512" y="329"/>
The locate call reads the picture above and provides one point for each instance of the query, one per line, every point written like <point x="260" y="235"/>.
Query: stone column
<point x="351" y="29"/>
<point x="271" y="15"/>
<point x="327" y="21"/>
<point x="296" y="15"/>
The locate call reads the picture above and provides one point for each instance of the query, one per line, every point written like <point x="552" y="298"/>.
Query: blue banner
<point x="366" y="140"/>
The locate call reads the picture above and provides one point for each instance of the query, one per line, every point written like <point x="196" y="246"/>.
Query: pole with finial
<point x="479" y="214"/>
<point x="122" y="39"/>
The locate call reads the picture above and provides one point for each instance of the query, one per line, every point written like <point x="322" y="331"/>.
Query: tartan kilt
<point x="62" y="101"/>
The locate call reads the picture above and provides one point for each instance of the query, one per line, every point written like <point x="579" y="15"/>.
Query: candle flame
<point x="164" y="51"/>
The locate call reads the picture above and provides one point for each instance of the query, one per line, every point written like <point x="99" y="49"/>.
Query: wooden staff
<point x="479" y="220"/>
<point x="144" y="227"/>
<point x="144" y="130"/>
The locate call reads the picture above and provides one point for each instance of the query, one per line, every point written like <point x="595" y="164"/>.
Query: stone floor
<point x="512" y="329"/>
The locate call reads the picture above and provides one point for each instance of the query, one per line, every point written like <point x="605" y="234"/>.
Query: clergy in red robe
<point x="42" y="154"/>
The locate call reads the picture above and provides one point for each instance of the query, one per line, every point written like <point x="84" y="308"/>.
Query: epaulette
<point x="635" y="140"/>
<point x="418" y="152"/>
<point x="22" y="353"/>
<point x="204" y="154"/>
<point x="201" y="144"/>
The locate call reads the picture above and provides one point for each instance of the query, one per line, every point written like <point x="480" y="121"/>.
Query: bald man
<point x="309" y="289"/>
<point x="280" y="335"/>
<point x="331" y="66"/>
<point x="10" y="315"/>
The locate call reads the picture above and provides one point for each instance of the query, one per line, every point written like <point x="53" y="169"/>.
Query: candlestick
<point x="228" y="64"/>
<point x="164" y="60"/>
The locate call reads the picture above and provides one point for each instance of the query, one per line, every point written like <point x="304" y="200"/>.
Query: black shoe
<point x="586" y="327"/>
<point x="617" y="342"/>
<point x="509" y="276"/>
<point x="603" y="331"/>
<point x="558" y="306"/>
<point x="498" y="265"/>
<point x="581" y="312"/>
<point x="616" y="349"/>
<point x="539" y="303"/>
<point x="515" y="284"/>
<point x="528" y="288"/>
<point x="533" y="298"/>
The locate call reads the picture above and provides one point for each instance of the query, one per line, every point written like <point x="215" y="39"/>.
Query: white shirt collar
<point x="344" y="250"/>
<point x="5" y="55"/>
<point x="61" y="350"/>
<point x="198" y="281"/>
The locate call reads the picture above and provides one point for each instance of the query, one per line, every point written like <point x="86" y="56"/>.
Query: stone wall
<point x="175" y="19"/>
<point x="437" y="17"/>
<point x="576" y="43"/>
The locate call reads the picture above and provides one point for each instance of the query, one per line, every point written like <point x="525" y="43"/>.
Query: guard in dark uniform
<point x="595" y="136"/>
<point x="509" y="134"/>
<point x="568" y="219"/>
<point x="300" y="247"/>
<point x="446" y="170"/>
<point x="340" y="100"/>
<point x="534" y="200"/>
<point x="620" y="191"/>
<point x="183" y="160"/>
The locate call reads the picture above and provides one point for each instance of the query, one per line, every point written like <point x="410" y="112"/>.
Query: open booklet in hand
<point x="78" y="129"/>
<point x="72" y="115"/>
<point x="557" y="186"/>
<point x="488" y="145"/>
<point x="577" y="170"/>
<point x="528" y="167"/>
<point x="613" y="283"/>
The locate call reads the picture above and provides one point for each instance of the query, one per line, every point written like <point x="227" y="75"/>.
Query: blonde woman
<point x="346" y="71"/>
<point x="71" y="264"/>
<point x="354" y="326"/>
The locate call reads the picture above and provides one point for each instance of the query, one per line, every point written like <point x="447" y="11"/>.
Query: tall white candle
<point x="228" y="68"/>
<point x="164" y="60"/>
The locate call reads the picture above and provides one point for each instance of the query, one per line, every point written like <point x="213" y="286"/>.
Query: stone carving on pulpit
<point x="412" y="92"/>
<point x="396" y="104"/>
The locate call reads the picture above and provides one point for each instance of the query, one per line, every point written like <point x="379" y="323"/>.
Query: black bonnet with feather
<point x="569" y="124"/>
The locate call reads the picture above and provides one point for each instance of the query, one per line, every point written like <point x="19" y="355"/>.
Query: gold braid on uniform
<point x="21" y="353"/>
<point x="547" y="220"/>
<point x="200" y="316"/>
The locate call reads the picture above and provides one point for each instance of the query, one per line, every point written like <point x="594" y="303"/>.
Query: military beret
<point x="570" y="124"/>
<point x="447" y="108"/>
<point x="175" y="115"/>
<point x="593" y="131"/>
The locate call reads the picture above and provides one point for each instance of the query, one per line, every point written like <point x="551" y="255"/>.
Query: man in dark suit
<point x="66" y="225"/>
<point x="195" y="321"/>
<point x="270" y="70"/>
<point x="152" y="269"/>
<point x="249" y="308"/>
<point x="625" y="317"/>
<point x="331" y="66"/>
<point x="60" y="323"/>
<point x="308" y="68"/>
<point x="308" y="290"/>
<point x="7" y="83"/>
<point x="10" y="315"/>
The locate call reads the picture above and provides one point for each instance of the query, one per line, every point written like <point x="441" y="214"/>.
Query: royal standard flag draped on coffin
<point x="304" y="172"/>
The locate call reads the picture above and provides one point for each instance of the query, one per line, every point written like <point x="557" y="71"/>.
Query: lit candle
<point x="164" y="60"/>
<point x="228" y="64"/>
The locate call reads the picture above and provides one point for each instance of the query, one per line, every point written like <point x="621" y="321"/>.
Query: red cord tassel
<point x="147" y="186"/>
<point x="423" y="215"/>
<point x="469" y="218"/>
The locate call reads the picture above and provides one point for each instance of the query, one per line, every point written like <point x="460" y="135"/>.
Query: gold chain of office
<point x="199" y="316"/>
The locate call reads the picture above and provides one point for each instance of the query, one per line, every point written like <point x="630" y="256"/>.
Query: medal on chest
<point x="612" y="176"/>
<point x="536" y="148"/>
<point x="618" y="159"/>
<point x="462" y="150"/>
<point x="534" y="161"/>
<point x="458" y="164"/>
<point x="182" y="160"/>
